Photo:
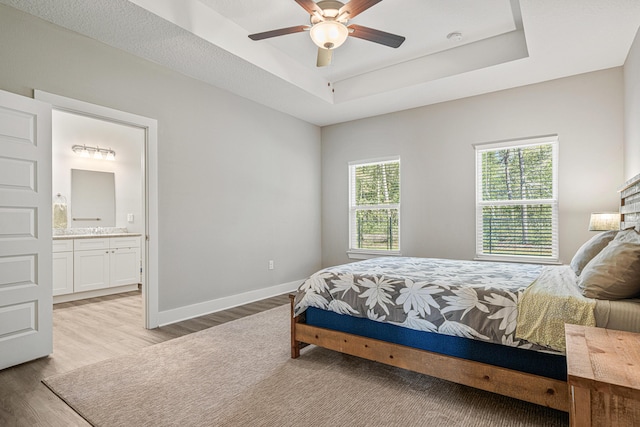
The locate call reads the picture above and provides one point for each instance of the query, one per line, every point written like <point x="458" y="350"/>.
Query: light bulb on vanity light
<point x="94" y="152"/>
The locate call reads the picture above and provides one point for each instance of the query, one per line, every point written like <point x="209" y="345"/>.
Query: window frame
<point x="353" y="252"/>
<point x="553" y="201"/>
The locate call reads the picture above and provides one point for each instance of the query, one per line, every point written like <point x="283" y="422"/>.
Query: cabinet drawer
<point x="124" y="242"/>
<point x="90" y="244"/>
<point x="62" y="245"/>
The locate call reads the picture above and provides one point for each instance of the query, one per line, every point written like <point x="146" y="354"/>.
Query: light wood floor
<point x="86" y="332"/>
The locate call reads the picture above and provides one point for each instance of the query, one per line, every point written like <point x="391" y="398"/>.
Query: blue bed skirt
<point x="533" y="362"/>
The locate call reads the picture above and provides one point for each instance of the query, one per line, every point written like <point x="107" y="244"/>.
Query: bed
<point x="498" y="327"/>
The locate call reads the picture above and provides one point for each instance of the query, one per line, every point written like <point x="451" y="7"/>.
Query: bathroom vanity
<point x="94" y="254"/>
<point x="91" y="265"/>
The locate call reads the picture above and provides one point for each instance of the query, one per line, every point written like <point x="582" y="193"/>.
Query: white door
<point x="26" y="305"/>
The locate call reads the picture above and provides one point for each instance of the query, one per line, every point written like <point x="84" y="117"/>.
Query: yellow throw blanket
<point x="552" y="300"/>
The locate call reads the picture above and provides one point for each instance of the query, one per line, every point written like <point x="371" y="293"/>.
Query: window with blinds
<point x="374" y="206"/>
<point x="517" y="200"/>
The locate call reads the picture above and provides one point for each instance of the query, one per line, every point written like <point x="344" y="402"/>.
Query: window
<point x="374" y="206"/>
<point x="517" y="200"/>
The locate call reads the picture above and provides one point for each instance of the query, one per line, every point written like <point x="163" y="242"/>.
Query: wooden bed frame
<point x="528" y="387"/>
<point x="531" y="388"/>
<point x="630" y="203"/>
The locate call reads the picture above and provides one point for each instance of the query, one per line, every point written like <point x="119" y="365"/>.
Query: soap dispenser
<point x="60" y="212"/>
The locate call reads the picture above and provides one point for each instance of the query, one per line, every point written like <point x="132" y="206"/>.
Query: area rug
<point x="240" y="374"/>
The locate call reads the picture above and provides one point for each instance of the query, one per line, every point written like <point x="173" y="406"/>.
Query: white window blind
<point x="374" y="206"/>
<point x="517" y="200"/>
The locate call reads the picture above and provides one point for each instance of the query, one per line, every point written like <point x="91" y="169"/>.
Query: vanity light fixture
<point x="95" y="152"/>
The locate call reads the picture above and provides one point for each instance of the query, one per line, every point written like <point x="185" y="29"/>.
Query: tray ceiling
<point x="503" y="44"/>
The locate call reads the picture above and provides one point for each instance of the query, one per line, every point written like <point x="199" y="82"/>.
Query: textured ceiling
<point x="505" y="43"/>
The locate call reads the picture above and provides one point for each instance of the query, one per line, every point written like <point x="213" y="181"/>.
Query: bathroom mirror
<point x="93" y="199"/>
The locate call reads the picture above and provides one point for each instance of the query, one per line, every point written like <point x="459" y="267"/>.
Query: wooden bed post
<point x="295" y="345"/>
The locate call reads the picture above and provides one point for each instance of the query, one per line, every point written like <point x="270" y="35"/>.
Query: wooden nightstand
<point x="603" y="372"/>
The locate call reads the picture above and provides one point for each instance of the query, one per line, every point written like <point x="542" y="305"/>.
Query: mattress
<point x="622" y="315"/>
<point x="548" y="365"/>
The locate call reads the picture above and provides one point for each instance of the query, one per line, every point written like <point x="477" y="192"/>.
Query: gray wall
<point x="438" y="169"/>
<point x="632" y="110"/>
<point x="239" y="183"/>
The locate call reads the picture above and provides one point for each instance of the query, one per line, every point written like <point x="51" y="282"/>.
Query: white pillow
<point x="590" y="249"/>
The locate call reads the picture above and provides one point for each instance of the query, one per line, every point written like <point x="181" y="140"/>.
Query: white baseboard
<point x="200" y="309"/>
<point x="93" y="294"/>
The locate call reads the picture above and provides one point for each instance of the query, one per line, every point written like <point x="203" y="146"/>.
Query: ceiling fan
<point x="329" y="27"/>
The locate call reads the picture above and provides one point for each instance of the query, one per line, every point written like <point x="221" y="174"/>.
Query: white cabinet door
<point x="90" y="270"/>
<point x="62" y="273"/>
<point x="26" y="305"/>
<point x="62" y="267"/>
<point x="125" y="266"/>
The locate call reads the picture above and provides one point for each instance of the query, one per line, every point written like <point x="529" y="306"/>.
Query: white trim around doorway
<point x="150" y="166"/>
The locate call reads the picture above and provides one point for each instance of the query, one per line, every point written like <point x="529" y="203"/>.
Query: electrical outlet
<point x="271" y="264"/>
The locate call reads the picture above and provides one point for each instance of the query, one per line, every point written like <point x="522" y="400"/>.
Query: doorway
<point x="133" y="140"/>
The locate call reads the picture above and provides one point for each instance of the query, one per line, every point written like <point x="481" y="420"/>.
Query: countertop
<point x="94" y="236"/>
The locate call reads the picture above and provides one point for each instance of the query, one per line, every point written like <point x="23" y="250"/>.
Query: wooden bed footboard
<point x="295" y="344"/>
<point x="524" y="386"/>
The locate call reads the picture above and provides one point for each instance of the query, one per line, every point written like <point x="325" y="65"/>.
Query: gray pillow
<point x="629" y="235"/>
<point x="614" y="273"/>
<point x="591" y="248"/>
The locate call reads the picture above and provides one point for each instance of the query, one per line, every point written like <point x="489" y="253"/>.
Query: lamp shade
<point x="603" y="221"/>
<point x="329" y="34"/>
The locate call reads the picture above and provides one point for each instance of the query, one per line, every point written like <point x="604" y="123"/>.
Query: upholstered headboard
<point x="630" y="203"/>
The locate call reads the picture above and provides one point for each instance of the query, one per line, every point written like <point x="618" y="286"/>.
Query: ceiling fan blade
<point x="356" y="7"/>
<point x="324" y="57"/>
<point x="375" y="36"/>
<point x="279" y="32"/>
<point x="310" y="6"/>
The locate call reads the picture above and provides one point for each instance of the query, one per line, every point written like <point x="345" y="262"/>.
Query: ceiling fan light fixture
<point x="329" y="34"/>
<point x="330" y="27"/>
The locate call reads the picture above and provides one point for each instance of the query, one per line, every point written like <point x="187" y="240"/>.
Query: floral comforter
<point x="470" y="299"/>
